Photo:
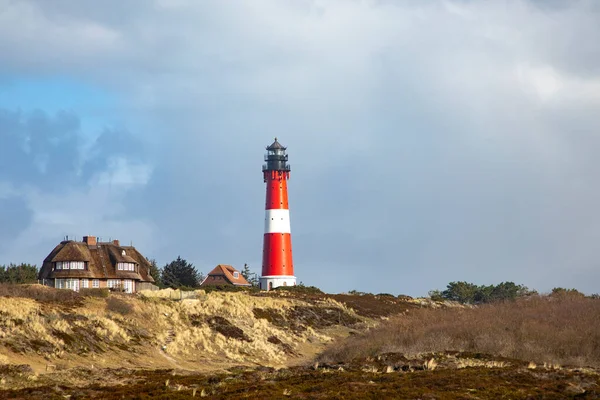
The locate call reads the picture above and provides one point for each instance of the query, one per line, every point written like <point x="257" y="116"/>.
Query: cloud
<point x="429" y="142"/>
<point x="57" y="180"/>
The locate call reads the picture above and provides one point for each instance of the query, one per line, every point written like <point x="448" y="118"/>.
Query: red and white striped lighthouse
<point x="277" y="266"/>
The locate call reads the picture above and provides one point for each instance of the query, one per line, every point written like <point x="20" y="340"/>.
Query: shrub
<point x="229" y="288"/>
<point x="94" y="292"/>
<point x="299" y="289"/>
<point x="39" y="293"/>
<point x="118" y="305"/>
<point x="357" y="293"/>
<point x="562" y="292"/>
<point x="469" y="293"/>
<point x="540" y="329"/>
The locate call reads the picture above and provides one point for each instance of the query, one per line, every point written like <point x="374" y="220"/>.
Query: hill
<point x="294" y="343"/>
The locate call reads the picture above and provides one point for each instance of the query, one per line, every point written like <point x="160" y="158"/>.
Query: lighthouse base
<point x="273" y="281"/>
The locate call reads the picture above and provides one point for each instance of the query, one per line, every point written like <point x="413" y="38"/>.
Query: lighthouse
<point x="277" y="266"/>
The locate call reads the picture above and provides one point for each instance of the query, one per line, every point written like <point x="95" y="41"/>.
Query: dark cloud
<point x="429" y="142"/>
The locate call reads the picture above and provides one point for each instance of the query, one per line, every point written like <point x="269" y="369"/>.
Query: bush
<point x="540" y="329"/>
<point x="299" y="289"/>
<point x="562" y="292"/>
<point x="228" y="288"/>
<point x="121" y="306"/>
<point x="39" y="293"/>
<point x="357" y="293"/>
<point x="94" y="292"/>
<point x="469" y="293"/>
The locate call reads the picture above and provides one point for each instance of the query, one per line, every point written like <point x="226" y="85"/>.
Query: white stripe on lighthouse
<point x="277" y="221"/>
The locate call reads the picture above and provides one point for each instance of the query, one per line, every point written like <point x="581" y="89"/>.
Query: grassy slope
<point x="216" y="330"/>
<point x="497" y="351"/>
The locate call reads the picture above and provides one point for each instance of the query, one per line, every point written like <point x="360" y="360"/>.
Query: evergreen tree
<point x="463" y="292"/>
<point x="155" y="272"/>
<point x="22" y="273"/>
<point x="180" y="273"/>
<point x="250" y="276"/>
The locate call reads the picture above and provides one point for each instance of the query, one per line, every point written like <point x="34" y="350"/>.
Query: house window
<point x="125" y="266"/>
<point x="128" y="285"/>
<point x="70" y="265"/>
<point x="95" y="283"/>
<point x="236" y="275"/>
<point x="85" y="283"/>
<point x="113" y="283"/>
<point x="72" y="284"/>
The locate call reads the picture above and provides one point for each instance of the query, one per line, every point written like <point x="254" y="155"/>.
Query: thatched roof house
<point x="92" y="264"/>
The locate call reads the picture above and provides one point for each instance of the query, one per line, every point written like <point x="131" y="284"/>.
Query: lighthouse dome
<point x="276" y="146"/>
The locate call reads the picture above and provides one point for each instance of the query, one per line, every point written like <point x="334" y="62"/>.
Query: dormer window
<point x="236" y="275"/>
<point x="123" y="253"/>
<point x="125" y="266"/>
<point x="60" y="265"/>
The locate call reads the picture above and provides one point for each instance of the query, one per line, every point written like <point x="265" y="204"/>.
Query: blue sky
<point x="429" y="141"/>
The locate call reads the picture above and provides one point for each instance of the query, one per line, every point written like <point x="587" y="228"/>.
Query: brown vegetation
<point x="542" y="329"/>
<point x="317" y="383"/>
<point x="118" y="305"/>
<point x="39" y="293"/>
<point x="227" y="329"/>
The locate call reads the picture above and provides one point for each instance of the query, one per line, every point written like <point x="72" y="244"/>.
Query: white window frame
<point x="236" y="275"/>
<point x="128" y="285"/>
<point x="68" y="283"/>
<point x="95" y="283"/>
<point x="125" y="266"/>
<point x="85" y="283"/>
<point x="60" y="265"/>
<point x="113" y="283"/>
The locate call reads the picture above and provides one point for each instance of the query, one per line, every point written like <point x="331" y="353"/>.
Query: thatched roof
<point x="72" y="251"/>
<point x="102" y="259"/>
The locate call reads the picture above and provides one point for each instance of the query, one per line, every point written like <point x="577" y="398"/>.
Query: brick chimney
<point x="116" y="242"/>
<point x="90" y="240"/>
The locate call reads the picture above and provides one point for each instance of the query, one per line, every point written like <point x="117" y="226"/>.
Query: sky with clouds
<point x="430" y="141"/>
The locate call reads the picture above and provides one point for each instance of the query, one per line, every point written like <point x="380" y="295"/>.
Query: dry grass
<point x="119" y="305"/>
<point x="545" y="330"/>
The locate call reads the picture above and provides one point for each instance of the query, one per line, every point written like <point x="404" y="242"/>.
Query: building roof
<point x="227" y="271"/>
<point x="276" y="146"/>
<point x="101" y="258"/>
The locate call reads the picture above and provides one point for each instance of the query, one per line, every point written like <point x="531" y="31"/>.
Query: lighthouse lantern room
<point x="277" y="266"/>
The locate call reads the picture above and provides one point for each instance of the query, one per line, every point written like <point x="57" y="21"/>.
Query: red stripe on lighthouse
<point x="277" y="254"/>
<point x="277" y="196"/>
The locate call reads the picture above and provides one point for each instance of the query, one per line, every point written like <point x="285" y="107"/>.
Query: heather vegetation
<point x="101" y="344"/>
<point x="540" y="329"/>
